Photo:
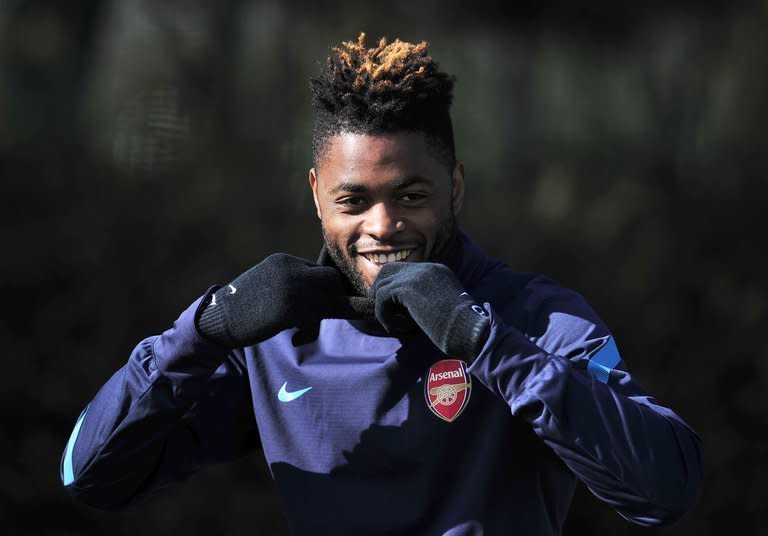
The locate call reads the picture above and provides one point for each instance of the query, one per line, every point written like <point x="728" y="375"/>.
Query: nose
<point x="382" y="222"/>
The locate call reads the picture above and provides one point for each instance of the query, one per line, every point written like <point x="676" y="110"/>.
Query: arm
<point x="571" y="385"/>
<point x="179" y="403"/>
<point x="567" y="380"/>
<point x="183" y="400"/>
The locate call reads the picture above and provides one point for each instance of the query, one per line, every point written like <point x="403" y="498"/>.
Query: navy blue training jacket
<point x="366" y="433"/>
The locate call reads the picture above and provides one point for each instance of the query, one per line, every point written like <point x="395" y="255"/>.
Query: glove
<point x="432" y="296"/>
<point x="280" y="292"/>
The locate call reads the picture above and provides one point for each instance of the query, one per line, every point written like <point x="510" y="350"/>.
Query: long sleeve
<point x="562" y="373"/>
<point x="179" y="403"/>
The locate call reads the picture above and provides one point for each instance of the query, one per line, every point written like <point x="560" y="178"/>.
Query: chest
<point x="362" y="400"/>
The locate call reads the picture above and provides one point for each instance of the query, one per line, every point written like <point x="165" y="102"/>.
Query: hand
<point x="280" y="292"/>
<point x="433" y="297"/>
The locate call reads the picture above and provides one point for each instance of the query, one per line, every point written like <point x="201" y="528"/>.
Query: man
<point x="470" y="404"/>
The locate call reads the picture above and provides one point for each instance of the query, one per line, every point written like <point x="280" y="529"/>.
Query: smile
<point x="384" y="258"/>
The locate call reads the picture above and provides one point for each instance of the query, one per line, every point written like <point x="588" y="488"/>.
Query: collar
<point x="462" y="255"/>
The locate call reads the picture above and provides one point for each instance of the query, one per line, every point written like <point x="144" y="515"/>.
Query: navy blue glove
<point x="432" y="296"/>
<point x="280" y="292"/>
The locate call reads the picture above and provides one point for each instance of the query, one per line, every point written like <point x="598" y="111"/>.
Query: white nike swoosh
<point x="284" y="396"/>
<point x="232" y="289"/>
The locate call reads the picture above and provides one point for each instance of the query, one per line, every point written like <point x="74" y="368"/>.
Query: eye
<point x="352" y="202"/>
<point x="413" y="197"/>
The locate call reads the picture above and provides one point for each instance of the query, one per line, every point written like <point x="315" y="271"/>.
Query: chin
<point x="367" y="274"/>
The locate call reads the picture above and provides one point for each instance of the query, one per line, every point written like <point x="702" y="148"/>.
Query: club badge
<point x="447" y="388"/>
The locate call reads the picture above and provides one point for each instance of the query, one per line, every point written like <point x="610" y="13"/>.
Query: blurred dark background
<point x="149" y="149"/>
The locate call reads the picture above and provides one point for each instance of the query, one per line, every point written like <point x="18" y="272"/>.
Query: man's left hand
<point x="434" y="298"/>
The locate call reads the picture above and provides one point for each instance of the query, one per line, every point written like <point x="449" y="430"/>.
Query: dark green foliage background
<point x="620" y="150"/>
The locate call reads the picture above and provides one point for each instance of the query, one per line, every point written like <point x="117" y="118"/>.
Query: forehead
<point x="365" y="157"/>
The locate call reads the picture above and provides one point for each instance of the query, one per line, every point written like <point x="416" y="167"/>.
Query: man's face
<point x="382" y="199"/>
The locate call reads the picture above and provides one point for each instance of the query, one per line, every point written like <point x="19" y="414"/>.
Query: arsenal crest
<point x="447" y="388"/>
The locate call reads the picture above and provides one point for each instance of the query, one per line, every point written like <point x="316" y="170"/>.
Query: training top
<point x="367" y="433"/>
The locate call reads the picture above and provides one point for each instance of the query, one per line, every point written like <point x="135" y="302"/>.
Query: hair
<point x="390" y="88"/>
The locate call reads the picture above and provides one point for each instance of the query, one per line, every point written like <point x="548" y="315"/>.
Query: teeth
<point x="384" y="258"/>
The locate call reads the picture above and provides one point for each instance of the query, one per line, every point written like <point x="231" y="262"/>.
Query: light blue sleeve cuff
<point x="67" y="470"/>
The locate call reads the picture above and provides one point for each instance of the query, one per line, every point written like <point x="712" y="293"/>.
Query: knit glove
<point x="432" y="296"/>
<point x="280" y="292"/>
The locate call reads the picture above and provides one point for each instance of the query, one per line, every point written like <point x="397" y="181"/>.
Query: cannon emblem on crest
<point x="446" y="394"/>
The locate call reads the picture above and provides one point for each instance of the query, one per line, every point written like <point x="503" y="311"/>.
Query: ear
<point x="313" y="185"/>
<point x="457" y="188"/>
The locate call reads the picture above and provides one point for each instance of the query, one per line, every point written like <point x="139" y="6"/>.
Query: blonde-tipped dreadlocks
<point x="389" y="88"/>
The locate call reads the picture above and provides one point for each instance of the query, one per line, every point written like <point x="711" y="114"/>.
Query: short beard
<point x="346" y="264"/>
<point x="443" y="236"/>
<point x="345" y="261"/>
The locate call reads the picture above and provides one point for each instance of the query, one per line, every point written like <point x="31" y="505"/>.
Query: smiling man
<point x="470" y="399"/>
<point x="384" y="198"/>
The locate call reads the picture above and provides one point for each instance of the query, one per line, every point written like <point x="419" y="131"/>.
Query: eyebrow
<point x="405" y="182"/>
<point x="351" y="187"/>
<point x="357" y="188"/>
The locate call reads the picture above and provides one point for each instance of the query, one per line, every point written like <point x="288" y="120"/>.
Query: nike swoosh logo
<point x="285" y="396"/>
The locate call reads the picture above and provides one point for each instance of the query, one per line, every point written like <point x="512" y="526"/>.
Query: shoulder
<point x="555" y="311"/>
<point x="556" y="318"/>
<point x="561" y="322"/>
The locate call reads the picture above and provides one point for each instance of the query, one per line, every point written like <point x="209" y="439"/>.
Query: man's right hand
<point x="280" y="292"/>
